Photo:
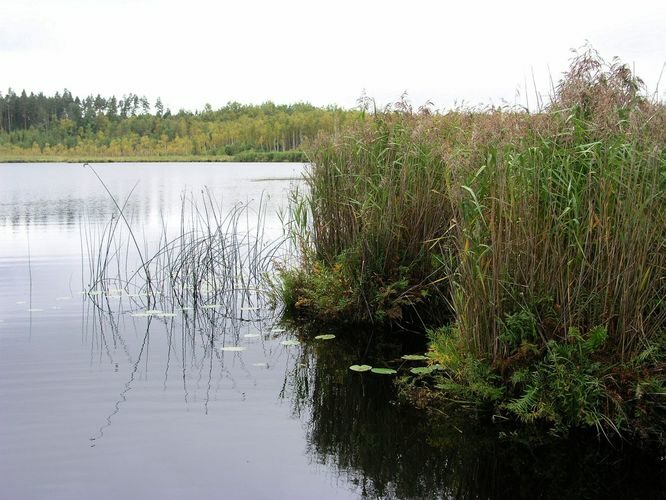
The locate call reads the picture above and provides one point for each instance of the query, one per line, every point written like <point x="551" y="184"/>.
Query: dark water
<point x="98" y="402"/>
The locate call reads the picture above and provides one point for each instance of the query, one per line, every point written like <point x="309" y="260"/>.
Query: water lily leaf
<point x="234" y="348"/>
<point x="414" y="357"/>
<point x="290" y="343"/>
<point x="360" y="368"/>
<point x="383" y="371"/>
<point x="327" y="336"/>
<point x="422" y="370"/>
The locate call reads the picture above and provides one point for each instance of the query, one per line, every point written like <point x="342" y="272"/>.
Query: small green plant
<point x="566" y="388"/>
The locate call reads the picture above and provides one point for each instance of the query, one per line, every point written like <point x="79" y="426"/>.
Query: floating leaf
<point x="251" y="335"/>
<point x="290" y="343"/>
<point x="422" y="370"/>
<point x="360" y="368"/>
<point x="414" y="357"/>
<point x="425" y="370"/>
<point x="327" y="336"/>
<point x="234" y="348"/>
<point x="383" y="371"/>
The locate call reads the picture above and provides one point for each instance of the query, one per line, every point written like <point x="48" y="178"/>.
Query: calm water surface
<point x="96" y="403"/>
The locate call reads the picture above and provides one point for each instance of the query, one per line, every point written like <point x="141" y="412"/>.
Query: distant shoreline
<point x="241" y="158"/>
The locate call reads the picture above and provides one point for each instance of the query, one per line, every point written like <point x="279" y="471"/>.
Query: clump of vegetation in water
<point x="374" y="225"/>
<point x="545" y="233"/>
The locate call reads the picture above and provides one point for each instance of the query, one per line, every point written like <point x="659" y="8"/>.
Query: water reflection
<point x="390" y="450"/>
<point x="196" y="344"/>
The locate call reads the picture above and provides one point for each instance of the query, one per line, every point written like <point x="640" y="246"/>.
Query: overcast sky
<point x="192" y="52"/>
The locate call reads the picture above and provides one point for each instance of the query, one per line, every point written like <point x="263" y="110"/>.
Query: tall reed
<point x="379" y="217"/>
<point x="565" y="221"/>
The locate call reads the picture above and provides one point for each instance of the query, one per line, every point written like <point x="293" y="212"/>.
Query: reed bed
<point x="532" y="245"/>
<point x="217" y="260"/>
<point x="374" y="225"/>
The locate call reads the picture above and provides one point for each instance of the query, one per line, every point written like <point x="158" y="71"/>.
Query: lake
<point x="100" y="398"/>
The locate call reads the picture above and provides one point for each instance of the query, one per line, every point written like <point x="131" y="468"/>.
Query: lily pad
<point x="235" y="348"/>
<point x="415" y="357"/>
<point x="360" y="368"/>
<point x="327" y="336"/>
<point x="290" y="343"/>
<point x="383" y="371"/>
<point x="425" y="370"/>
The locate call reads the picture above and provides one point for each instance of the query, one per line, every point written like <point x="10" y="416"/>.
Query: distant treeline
<point x="34" y="126"/>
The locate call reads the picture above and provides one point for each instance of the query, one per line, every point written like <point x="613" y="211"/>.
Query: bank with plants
<point x="531" y="247"/>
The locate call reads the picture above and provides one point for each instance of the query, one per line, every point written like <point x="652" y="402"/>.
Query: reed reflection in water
<point x="356" y="426"/>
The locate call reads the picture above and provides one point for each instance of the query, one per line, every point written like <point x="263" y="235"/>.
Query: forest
<point x="62" y="127"/>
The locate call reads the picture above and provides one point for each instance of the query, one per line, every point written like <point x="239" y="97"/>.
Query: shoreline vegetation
<point x="247" y="156"/>
<point x="531" y="247"/>
<point x="38" y="128"/>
